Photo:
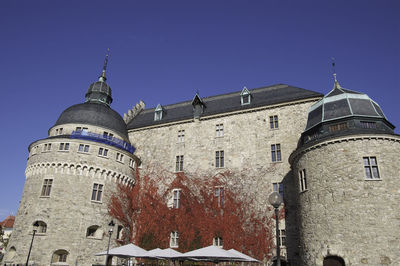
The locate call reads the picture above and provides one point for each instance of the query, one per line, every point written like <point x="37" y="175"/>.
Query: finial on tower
<point x="334" y="73"/>
<point x="103" y="73"/>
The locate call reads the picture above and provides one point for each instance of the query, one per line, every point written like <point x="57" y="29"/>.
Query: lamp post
<point x="111" y="225"/>
<point x="275" y="200"/>
<point x="35" y="227"/>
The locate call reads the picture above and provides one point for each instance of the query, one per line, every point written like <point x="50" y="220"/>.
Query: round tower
<point x="70" y="176"/>
<point x="346" y="183"/>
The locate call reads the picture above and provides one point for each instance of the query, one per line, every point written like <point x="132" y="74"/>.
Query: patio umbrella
<point x="126" y="251"/>
<point x="244" y="256"/>
<point x="154" y="253"/>
<point x="211" y="253"/>
<point x="169" y="253"/>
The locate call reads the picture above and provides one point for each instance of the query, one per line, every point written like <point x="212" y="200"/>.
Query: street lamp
<point x="35" y="227"/>
<point x="111" y="225"/>
<point x="275" y="200"/>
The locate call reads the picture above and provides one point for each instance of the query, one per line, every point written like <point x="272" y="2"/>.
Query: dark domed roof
<point x="341" y="103"/>
<point x="96" y="114"/>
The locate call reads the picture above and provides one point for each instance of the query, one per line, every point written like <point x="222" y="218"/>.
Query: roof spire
<point x="103" y="73"/>
<point x="337" y="85"/>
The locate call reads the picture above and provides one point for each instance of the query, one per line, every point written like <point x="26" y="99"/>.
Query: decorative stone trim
<point x="78" y="169"/>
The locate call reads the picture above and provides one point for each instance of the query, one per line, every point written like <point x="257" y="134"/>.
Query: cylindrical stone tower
<point x="346" y="184"/>
<point x="70" y="177"/>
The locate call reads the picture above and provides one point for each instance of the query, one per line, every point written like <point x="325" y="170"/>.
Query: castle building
<point x="334" y="158"/>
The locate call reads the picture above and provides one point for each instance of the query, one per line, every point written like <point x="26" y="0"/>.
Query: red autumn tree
<point x="199" y="215"/>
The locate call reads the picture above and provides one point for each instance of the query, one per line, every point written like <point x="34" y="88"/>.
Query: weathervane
<point x="103" y="73"/>
<point x="334" y="69"/>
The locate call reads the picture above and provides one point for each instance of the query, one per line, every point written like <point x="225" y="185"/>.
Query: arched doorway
<point x="333" y="261"/>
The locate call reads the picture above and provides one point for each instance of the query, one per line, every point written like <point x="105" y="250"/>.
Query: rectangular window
<point x="46" y="187"/>
<point x="365" y="124"/>
<point x="217" y="241"/>
<point x="282" y="237"/>
<point x="103" y="152"/>
<point x="219" y="195"/>
<point x="64" y="147"/>
<point x="219" y="159"/>
<point x="120" y="157"/>
<point x="278" y="187"/>
<point x="174" y="240"/>
<point x="131" y="163"/>
<point x="219" y="130"/>
<point x="276" y="152"/>
<point x="338" y="127"/>
<point x="181" y="135"/>
<point x="59" y="131"/>
<point x="273" y="122"/>
<point x="107" y="135"/>
<point x="176" y="198"/>
<point x="47" y="147"/>
<point x="83" y="148"/>
<point x="371" y="168"/>
<point x="303" y="180"/>
<point x="179" y="163"/>
<point x="97" y="192"/>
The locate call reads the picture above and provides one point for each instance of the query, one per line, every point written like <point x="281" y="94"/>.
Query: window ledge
<point x="120" y="162"/>
<point x="63" y="150"/>
<point x="97" y="202"/>
<point x="83" y="152"/>
<point x="94" y="238"/>
<point x="45" y="197"/>
<point x="102" y="156"/>
<point x="301" y="192"/>
<point x="373" y="179"/>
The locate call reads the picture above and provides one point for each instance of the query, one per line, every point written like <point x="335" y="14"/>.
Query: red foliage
<point x="148" y="220"/>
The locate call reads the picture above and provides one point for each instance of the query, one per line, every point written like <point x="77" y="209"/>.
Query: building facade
<point x="333" y="157"/>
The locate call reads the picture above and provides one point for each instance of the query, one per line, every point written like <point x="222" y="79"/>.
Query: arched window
<point x="333" y="261"/>
<point x="60" y="255"/>
<point x="11" y="253"/>
<point x="41" y="227"/>
<point x="94" y="231"/>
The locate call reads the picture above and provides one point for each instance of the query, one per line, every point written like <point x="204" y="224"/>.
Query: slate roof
<point x="223" y="103"/>
<point x="96" y="114"/>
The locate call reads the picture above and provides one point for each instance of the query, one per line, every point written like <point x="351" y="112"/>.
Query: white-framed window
<point x="219" y="195"/>
<point x="245" y="97"/>
<point x="59" y="131"/>
<point x="158" y="113"/>
<point x="273" y="122"/>
<point x="47" y="147"/>
<point x="120" y="157"/>
<point x="83" y="148"/>
<point x="97" y="192"/>
<point x="60" y="255"/>
<point x="64" y="146"/>
<point x="103" y="152"/>
<point x="120" y="232"/>
<point x="371" y="168"/>
<point x="219" y="130"/>
<point x="176" y="197"/>
<point x="108" y="135"/>
<point x="219" y="159"/>
<point x="217" y="241"/>
<point x="174" y="239"/>
<point x="179" y="163"/>
<point x="41" y="227"/>
<point x="181" y="135"/>
<point x="94" y="231"/>
<point x="131" y="163"/>
<point x="81" y="129"/>
<point x="303" y="180"/>
<point x="46" y="187"/>
<point x="278" y="187"/>
<point x="282" y="237"/>
<point x="276" y="152"/>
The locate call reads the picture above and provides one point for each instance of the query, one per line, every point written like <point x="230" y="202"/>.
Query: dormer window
<point x="245" y="97"/>
<point x="158" y="113"/>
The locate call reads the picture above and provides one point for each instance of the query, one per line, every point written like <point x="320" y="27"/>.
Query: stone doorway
<point x="333" y="261"/>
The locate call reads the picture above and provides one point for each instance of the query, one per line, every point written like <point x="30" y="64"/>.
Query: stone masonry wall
<point x="69" y="210"/>
<point x="344" y="214"/>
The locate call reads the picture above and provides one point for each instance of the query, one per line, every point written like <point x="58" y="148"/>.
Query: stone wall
<point x="342" y="213"/>
<point x="69" y="210"/>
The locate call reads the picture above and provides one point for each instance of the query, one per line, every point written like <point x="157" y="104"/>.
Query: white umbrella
<point x="129" y="250"/>
<point x="244" y="256"/>
<point x="211" y="253"/>
<point x="169" y="253"/>
<point x="154" y="253"/>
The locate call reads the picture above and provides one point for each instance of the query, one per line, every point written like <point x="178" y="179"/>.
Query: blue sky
<point x="164" y="51"/>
